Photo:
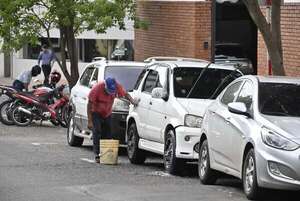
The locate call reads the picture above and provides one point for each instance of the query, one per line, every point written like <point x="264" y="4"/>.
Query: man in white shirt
<point x="23" y="80"/>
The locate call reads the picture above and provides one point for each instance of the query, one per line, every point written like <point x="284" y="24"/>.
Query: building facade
<point x="192" y="28"/>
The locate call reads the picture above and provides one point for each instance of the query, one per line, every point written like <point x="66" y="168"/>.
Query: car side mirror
<point x="159" y="92"/>
<point x="238" y="108"/>
<point x="92" y="83"/>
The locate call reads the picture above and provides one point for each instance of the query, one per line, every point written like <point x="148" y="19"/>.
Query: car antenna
<point x="200" y="75"/>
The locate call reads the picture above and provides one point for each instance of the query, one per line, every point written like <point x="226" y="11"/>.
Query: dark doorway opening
<point x="235" y="36"/>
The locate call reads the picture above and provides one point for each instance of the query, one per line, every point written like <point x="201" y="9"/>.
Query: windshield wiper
<point x="200" y="75"/>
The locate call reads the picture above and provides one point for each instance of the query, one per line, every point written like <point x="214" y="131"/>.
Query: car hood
<point x="291" y="125"/>
<point x="195" y="106"/>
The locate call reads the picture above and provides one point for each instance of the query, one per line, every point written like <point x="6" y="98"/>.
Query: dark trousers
<point x="46" y="70"/>
<point x="18" y="85"/>
<point x="101" y="130"/>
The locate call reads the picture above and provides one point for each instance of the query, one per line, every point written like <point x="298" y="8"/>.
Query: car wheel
<point x="73" y="140"/>
<point x="135" y="155"/>
<point x="173" y="165"/>
<point x="206" y="174"/>
<point x="251" y="189"/>
<point x="5" y="111"/>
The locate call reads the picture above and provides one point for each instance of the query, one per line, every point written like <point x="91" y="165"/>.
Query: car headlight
<point x="273" y="139"/>
<point x="120" y="105"/>
<point x="193" y="121"/>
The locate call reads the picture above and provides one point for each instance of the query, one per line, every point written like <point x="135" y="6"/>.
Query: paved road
<point x="36" y="164"/>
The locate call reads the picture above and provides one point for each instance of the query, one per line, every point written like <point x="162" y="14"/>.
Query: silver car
<point x="252" y="131"/>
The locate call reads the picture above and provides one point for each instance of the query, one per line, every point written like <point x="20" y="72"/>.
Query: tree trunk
<point x="72" y="50"/>
<point x="63" y="64"/>
<point x="271" y="35"/>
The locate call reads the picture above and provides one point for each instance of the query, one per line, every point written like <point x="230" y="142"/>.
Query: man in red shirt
<point x="101" y="99"/>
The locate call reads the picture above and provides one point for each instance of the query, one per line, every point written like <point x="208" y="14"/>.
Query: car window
<point x="125" y="75"/>
<point x="246" y="95"/>
<point x="162" y="77"/>
<point x="279" y="99"/>
<point x="95" y="75"/>
<point x="140" y="78"/>
<point x="209" y="85"/>
<point x="150" y="82"/>
<point x="231" y="92"/>
<point x="86" y="76"/>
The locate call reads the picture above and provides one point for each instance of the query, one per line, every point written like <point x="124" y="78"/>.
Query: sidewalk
<point x="6" y="81"/>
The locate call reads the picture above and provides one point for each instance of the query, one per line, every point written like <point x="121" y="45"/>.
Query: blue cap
<point x="110" y="85"/>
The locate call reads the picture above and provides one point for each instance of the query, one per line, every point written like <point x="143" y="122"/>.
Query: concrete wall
<point x="1" y="65"/>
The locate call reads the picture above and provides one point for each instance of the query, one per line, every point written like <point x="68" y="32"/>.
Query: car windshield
<point x="230" y="50"/>
<point x="279" y="99"/>
<point x="211" y="82"/>
<point x="125" y="75"/>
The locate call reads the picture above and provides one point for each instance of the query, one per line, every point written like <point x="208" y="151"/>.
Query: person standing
<point x="99" y="109"/>
<point x="24" y="79"/>
<point x="46" y="57"/>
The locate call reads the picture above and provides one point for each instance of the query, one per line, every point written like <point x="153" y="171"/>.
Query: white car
<point x="174" y="94"/>
<point x="251" y="131"/>
<point x="126" y="73"/>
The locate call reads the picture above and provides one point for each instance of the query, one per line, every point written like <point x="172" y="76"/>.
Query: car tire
<point x="207" y="175"/>
<point x="135" y="155"/>
<point x="173" y="165"/>
<point x="72" y="139"/>
<point x="251" y="188"/>
<point x="7" y="120"/>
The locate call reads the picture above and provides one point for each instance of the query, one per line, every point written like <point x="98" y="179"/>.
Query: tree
<point x="271" y="33"/>
<point x="23" y="22"/>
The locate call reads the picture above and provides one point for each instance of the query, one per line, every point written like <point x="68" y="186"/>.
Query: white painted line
<point x="159" y="173"/>
<point x="42" y="143"/>
<point x="87" y="160"/>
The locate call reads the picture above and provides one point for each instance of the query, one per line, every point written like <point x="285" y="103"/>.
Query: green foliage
<point x="24" y="21"/>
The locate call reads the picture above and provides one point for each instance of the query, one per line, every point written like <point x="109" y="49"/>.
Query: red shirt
<point x="101" y="101"/>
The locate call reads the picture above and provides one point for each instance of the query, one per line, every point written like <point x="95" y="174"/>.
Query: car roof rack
<point x="99" y="59"/>
<point x="153" y="59"/>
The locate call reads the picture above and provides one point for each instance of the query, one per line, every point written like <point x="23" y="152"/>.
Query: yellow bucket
<point x="109" y="152"/>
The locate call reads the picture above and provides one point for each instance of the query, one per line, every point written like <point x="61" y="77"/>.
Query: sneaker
<point x="97" y="159"/>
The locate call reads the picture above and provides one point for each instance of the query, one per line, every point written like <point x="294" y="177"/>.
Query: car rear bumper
<point x="187" y="142"/>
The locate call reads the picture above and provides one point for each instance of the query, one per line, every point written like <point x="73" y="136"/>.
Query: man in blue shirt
<point x="46" y="56"/>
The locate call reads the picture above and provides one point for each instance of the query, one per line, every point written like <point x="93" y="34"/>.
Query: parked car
<point x="126" y="73"/>
<point x="251" y="131"/>
<point x="174" y="94"/>
<point x="233" y="54"/>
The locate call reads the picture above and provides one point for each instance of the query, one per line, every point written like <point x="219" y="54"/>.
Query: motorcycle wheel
<point x="20" y="118"/>
<point x="5" y="113"/>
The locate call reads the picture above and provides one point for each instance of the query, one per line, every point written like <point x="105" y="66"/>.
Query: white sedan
<point x="251" y="131"/>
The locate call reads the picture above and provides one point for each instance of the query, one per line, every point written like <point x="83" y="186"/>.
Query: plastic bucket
<point x="109" y="152"/>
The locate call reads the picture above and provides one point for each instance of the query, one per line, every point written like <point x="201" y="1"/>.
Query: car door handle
<point x="228" y="120"/>
<point x="212" y="112"/>
<point x="150" y="103"/>
<point x="75" y="96"/>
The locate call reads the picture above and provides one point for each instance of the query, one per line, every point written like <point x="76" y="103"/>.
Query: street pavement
<point x="36" y="164"/>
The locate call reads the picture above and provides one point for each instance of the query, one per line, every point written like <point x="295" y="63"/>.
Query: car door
<point x="158" y="108"/>
<point x="80" y="95"/>
<point x="85" y="94"/>
<point x="145" y="97"/>
<point x="240" y="125"/>
<point x="219" y="126"/>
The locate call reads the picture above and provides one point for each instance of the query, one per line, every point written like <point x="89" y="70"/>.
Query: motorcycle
<point x="35" y="107"/>
<point x="8" y="104"/>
